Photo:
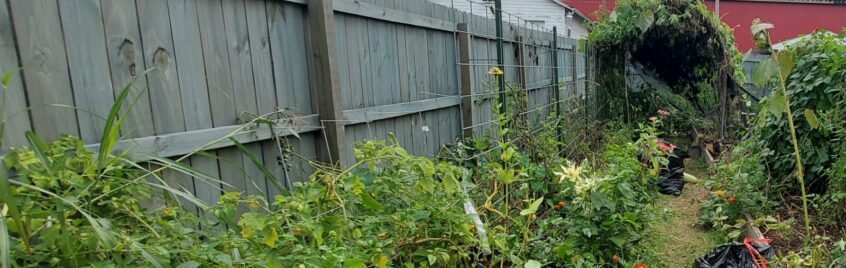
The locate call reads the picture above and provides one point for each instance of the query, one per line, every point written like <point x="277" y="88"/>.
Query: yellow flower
<point x="571" y="172"/>
<point x="495" y="71"/>
<point x="719" y="193"/>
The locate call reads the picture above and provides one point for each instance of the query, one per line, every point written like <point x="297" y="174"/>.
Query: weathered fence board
<point x="126" y="63"/>
<point x="394" y="64"/>
<point x="45" y="68"/>
<point x="15" y="106"/>
<point x="82" y="26"/>
<point x="159" y="54"/>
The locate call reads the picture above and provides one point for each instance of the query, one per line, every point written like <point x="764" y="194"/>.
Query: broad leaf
<point x="644" y="21"/>
<point x="7" y="77"/>
<point x="354" y="263"/>
<point x="450" y="183"/>
<point x="777" y="104"/>
<point x="532" y="264"/>
<point x="600" y="200"/>
<point x="785" y="63"/>
<point x="619" y="241"/>
<point x="369" y="202"/>
<point x="764" y="72"/>
<point x="532" y="208"/>
<point x="811" y="117"/>
<point x="760" y="27"/>
<point x="189" y="264"/>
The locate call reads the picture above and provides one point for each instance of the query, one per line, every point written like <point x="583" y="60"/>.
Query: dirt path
<point x="679" y="239"/>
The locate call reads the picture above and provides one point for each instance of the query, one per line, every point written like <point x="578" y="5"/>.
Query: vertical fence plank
<point x="262" y="74"/>
<point x="218" y="71"/>
<point x="82" y="26"/>
<point x="45" y="66"/>
<point x="403" y="124"/>
<point x="17" y="119"/>
<point x="219" y="81"/>
<point x="126" y="62"/>
<point x="159" y="54"/>
<point x="260" y="55"/>
<point x="189" y="53"/>
<point x="192" y="83"/>
<point x="299" y="60"/>
<point x="281" y="53"/>
<point x="241" y="171"/>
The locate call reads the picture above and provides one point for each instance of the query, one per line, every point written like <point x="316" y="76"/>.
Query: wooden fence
<point x="349" y="70"/>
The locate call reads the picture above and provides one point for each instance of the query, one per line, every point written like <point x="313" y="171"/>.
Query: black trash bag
<point x="734" y="255"/>
<point x="671" y="182"/>
<point x="671" y="178"/>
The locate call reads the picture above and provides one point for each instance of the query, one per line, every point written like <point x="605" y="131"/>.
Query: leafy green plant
<point x="813" y="86"/>
<point x="740" y="187"/>
<point x="681" y="41"/>
<point x="838" y="253"/>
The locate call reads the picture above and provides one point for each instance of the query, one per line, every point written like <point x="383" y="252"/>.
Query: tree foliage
<point x="686" y="45"/>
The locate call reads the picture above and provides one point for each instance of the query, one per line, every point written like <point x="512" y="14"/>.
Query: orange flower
<point x="616" y="258"/>
<point x="666" y="147"/>
<point x="641" y="265"/>
<point x="561" y="203"/>
<point x="732" y="200"/>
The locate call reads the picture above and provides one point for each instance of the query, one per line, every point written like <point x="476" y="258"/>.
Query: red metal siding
<point x="790" y="19"/>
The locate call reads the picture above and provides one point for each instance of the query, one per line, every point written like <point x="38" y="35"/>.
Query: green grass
<point x="674" y="236"/>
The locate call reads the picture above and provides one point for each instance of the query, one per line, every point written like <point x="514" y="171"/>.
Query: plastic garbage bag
<point x="671" y="182"/>
<point x="735" y="255"/>
<point x="671" y="179"/>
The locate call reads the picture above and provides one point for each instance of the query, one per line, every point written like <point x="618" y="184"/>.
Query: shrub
<point x="816" y="95"/>
<point x="740" y="186"/>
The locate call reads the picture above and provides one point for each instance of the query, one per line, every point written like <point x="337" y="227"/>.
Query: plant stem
<point x="800" y="170"/>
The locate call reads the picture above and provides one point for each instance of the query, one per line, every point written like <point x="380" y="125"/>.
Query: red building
<point x="791" y="18"/>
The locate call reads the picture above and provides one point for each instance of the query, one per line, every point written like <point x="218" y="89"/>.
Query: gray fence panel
<point x="216" y="60"/>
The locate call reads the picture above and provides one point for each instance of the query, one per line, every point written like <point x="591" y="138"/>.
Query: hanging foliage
<point x="681" y="41"/>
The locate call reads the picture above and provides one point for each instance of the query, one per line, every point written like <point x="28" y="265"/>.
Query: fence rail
<point x="346" y="70"/>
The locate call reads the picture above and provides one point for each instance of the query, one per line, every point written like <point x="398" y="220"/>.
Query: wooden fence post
<point x="468" y="108"/>
<point x="328" y="89"/>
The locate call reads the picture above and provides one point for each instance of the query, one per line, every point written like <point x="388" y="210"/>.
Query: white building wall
<point x="545" y="13"/>
<point x="577" y="29"/>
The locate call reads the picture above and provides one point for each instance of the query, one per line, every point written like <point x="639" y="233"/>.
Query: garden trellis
<point x="331" y="73"/>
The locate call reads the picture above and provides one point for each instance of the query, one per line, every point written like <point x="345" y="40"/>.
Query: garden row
<point x="489" y="201"/>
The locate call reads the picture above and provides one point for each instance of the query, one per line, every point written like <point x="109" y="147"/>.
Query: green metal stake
<point x="500" y="55"/>
<point x="556" y="95"/>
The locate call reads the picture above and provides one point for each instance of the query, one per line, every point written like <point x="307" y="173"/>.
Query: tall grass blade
<point x="147" y="256"/>
<point x="111" y="133"/>
<point x="182" y="168"/>
<point x="162" y="184"/>
<point x="39" y="148"/>
<point x="260" y="166"/>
